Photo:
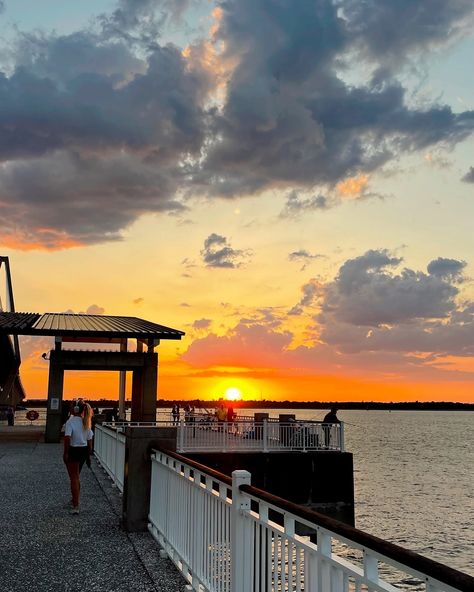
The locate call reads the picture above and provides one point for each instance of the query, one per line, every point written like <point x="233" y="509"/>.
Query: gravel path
<point x="43" y="548"/>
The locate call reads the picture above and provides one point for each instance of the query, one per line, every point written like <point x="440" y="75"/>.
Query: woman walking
<point x="77" y="447"/>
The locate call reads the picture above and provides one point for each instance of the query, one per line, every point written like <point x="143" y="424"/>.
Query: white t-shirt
<point x="75" y="429"/>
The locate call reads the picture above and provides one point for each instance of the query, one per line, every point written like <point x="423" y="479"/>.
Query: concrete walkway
<point x="44" y="548"/>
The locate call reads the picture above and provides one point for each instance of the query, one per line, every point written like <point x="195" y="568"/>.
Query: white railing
<point x="265" y="436"/>
<point x="226" y="536"/>
<point x="109" y="448"/>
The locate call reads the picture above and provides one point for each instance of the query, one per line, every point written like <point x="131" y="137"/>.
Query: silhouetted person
<point x="328" y="421"/>
<point x="10" y="416"/>
<point x="115" y="413"/>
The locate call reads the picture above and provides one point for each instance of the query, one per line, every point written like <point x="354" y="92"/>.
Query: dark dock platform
<point x="44" y="548"/>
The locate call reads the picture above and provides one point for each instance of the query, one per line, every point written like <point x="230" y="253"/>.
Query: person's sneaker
<point x="74" y="511"/>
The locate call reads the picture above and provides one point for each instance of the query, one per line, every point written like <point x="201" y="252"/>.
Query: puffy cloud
<point x="390" y="32"/>
<point x="446" y="268"/>
<point x="289" y="117"/>
<point x="469" y="176"/>
<point x="65" y="199"/>
<point x="366" y="292"/>
<point x="217" y="252"/>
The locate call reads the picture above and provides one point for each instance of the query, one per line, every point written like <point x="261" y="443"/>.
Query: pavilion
<point x="95" y="329"/>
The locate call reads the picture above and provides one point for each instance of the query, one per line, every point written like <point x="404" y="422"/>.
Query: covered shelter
<point x="94" y="329"/>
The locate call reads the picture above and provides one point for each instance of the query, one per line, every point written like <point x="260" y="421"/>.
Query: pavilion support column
<point x="150" y="386"/>
<point x="144" y="389"/>
<point x="122" y="383"/>
<point x="55" y="397"/>
<point x="137" y="395"/>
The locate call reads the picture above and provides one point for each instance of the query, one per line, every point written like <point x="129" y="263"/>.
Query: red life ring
<point x="32" y="415"/>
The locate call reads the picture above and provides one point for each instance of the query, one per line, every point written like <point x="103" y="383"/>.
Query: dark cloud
<point x="295" y="204"/>
<point x="450" y="269"/>
<point x="310" y="293"/>
<point x="106" y="124"/>
<point x="469" y="176"/>
<point x="390" y="31"/>
<point x="303" y="256"/>
<point x="201" y="324"/>
<point x="291" y="119"/>
<point x="142" y="21"/>
<point x="371" y="308"/>
<point x="217" y="252"/>
<point x="138" y="300"/>
<point x="368" y="293"/>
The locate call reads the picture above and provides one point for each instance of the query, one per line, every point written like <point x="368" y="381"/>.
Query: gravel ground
<point x="43" y="548"/>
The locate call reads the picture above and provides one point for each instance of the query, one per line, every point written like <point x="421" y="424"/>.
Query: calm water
<point x="414" y="481"/>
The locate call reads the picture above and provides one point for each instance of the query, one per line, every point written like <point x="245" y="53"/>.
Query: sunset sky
<point x="290" y="182"/>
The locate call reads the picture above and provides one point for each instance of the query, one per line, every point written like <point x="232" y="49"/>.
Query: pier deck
<point x="46" y="549"/>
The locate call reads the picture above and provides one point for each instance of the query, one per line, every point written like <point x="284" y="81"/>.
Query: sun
<point x="233" y="394"/>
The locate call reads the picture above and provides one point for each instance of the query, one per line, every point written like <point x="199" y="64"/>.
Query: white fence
<point x="226" y="536"/>
<point x="264" y="436"/>
<point x="109" y="448"/>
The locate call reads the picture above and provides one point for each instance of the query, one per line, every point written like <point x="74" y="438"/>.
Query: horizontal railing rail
<point x="109" y="448"/>
<point x="227" y="536"/>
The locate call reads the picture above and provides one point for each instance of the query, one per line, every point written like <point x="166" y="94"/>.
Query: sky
<point x="290" y="183"/>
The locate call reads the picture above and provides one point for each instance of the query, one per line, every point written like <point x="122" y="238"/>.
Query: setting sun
<point x="233" y="394"/>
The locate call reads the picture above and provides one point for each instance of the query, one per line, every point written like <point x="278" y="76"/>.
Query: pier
<point x="45" y="549"/>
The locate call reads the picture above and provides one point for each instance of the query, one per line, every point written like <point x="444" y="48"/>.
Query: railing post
<point x="181" y="435"/>
<point x="341" y="436"/>
<point x="241" y="535"/>
<point x="371" y="567"/>
<point x="265" y="435"/>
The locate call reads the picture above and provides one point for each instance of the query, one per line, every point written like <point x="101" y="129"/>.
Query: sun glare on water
<point x="233" y="394"/>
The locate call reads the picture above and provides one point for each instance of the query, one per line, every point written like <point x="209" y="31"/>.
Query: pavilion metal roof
<point x="83" y="325"/>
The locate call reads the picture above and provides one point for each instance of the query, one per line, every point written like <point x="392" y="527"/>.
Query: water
<point x="413" y="478"/>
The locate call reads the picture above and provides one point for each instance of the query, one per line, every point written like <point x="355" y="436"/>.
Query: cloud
<point x="469" y="176"/>
<point x="391" y="33"/>
<point x="291" y="119"/>
<point x="94" y="309"/>
<point x="311" y="292"/>
<point x="138" y="300"/>
<point x="113" y="120"/>
<point x="303" y="256"/>
<point x="217" y="252"/>
<point x="201" y="324"/>
<point x="367" y="292"/>
<point x="296" y="204"/>
<point x="446" y="268"/>
<point x="353" y="187"/>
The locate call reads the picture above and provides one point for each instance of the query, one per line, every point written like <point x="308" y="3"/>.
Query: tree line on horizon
<point x="287" y="404"/>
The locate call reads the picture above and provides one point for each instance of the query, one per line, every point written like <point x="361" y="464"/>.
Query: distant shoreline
<point x="354" y="405"/>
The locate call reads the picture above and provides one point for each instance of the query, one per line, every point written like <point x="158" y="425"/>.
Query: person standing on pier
<point x="77" y="447"/>
<point x="329" y="419"/>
